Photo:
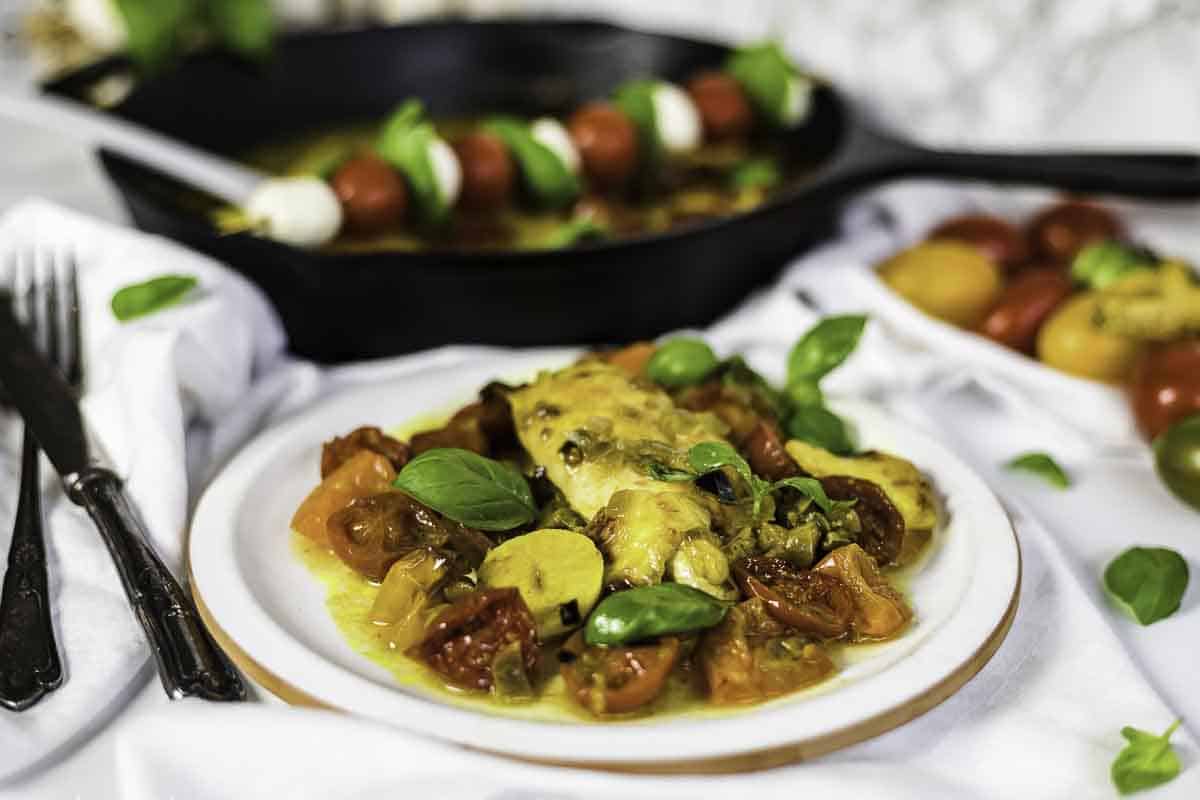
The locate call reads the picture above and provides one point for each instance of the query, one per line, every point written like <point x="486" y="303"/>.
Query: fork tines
<point x="45" y="296"/>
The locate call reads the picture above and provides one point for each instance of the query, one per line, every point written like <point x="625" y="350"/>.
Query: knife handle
<point x="190" y="663"/>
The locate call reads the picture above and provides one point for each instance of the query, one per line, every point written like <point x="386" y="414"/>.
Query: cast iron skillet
<point x="348" y="306"/>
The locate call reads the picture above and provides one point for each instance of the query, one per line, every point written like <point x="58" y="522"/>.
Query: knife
<point x="190" y="663"/>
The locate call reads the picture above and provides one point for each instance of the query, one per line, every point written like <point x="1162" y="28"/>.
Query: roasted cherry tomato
<point x="806" y="601"/>
<point x="488" y="173"/>
<point x="1177" y="455"/>
<point x="724" y="110"/>
<point x="1059" y="232"/>
<point x="373" y="195"/>
<point x="994" y="237"/>
<point x="1024" y="305"/>
<point x="615" y="680"/>
<point x="883" y="529"/>
<point x="764" y="452"/>
<point x="373" y="532"/>
<point x="483" y="427"/>
<point x="339" y="450"/>
<point x="363" y="474"/>
<point x="464" y="639"/>
<point x="607" y="143"/>
<point x="1165" y="386"/>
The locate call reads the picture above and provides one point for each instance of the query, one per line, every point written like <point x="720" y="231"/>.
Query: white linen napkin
<point x="1041" y="720"/>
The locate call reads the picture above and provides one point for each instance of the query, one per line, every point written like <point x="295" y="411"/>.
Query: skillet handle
<point x="1167" y="175"/>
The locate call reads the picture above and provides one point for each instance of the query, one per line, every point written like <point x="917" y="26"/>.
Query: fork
<point x="29" y="663"/>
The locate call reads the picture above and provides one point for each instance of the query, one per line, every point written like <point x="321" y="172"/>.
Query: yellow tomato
<point x="949" y="280"/>
<point x="1072" y="342"/>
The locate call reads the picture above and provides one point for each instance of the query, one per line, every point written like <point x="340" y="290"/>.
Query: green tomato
<point x="681" y="362"/>
<point x="1177" y="454"/>
<point x="1103" y="263"/>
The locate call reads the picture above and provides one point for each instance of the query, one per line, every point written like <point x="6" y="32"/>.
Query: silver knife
<point x="189" y="662"/>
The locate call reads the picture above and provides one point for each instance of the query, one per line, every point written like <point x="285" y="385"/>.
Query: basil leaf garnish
<point x="468" y="488"/>
<point x="755" y="173"/>
<point x="1103" y="263"/>
<point x="405" y="143"/>
<point x="636" y="99"/>
<point x="574" y="231"/>
<point x="826" y="345"/>
<point x="1145" y="762"/>
<point x="1147" y="582"/>
<point x="711" y="456"/>
<point x="772" y="82"/>
<point x="140" y="299"/>
<point x="551" y="183"/>
<point x="681" y="362"/>
<point x="1043" y="466"/>
<point x="820" y="426"/>
<point x="154" y="28"/>
<point x="244" y="26"/>
<point x="812" y="488"/>
<point x="647" y="611"/>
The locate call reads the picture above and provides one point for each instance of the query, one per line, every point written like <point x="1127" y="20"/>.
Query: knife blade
<point x="41" y="395"/>
<point x="190" y="663"/>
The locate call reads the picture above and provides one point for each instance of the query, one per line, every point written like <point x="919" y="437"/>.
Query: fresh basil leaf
<point x="770" y="80"/>
<point x="711" y="456"/>
<point x="405" y="142"/>
<point x="645" y="612"/>
<point x="1043" y="466"/>
<point x="1145" y="762"/>
<point x="636" y="99"/>
<point x="155" y="27"/>
<point x="804" y="392"/>
<point x="826" y="345"/>
<point x="681" y="362"/>
<point x="1103" y="263"/>
<point x="244" y="26"/>
<point x="1147" y="582"/>
<point x="820" y="426"/>
<point x="812" y="488"/>
<point x="468" y="488"/>
<point x="574" y="231"/>
<point x="661" y="472"/>
<point x="140" y="299"/>
<point x="735" y="371"/>
<point x="551" y="182"/>
<point x="755" y="173"/>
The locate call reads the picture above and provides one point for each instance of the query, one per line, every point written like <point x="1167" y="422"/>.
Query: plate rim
<point x="564" y="747"/>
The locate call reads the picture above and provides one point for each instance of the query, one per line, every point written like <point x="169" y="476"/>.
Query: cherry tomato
<point x="993" y="236"/>
<point x="883" y="529"/>
<point x="607" y="143"/>
<point x="1070" y="340"/>
<point x="1024" y="305"/>
<point x="764" y="452"/>
<point x="1166" y="385"/>
<point x="806" y="601"/>
<point x="374" y="532"/>
<point x="615" y="680"/>
<point x="950" y="280"/>
<point x="488" y="173"/>
<point x="724" y="110"/>
<point x="338" y="450"/>
<point x="373" y="195"/>
<point x="1177" y="455"/>
<point x="1061" y="231"/>
<point x="363" y="474"/>
<point x="464" y="640"/>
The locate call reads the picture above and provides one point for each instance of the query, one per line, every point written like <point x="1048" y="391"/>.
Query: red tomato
<point x="1024" y="305"/>
<point x="1166" y="385"/>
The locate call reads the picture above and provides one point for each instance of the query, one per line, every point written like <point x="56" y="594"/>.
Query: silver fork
<point x="29" y="663"/>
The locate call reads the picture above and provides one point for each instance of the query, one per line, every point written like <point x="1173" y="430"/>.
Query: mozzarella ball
<point x="676" y="117"/>
<point x="551" y="134"/>
<point x="302" y="211"/>
<point x="446" y="170"/>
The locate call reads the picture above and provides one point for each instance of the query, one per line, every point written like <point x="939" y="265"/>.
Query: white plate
<point x="265" y="603"/>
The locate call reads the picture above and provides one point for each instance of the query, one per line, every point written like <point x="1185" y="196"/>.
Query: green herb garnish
<point x="158" y="30"/>
<point x="140" y="299"/>
<point x="1043" y="466"/>
<point x="1099" y="265"/>
<point x="824" y="347"/>
<point x="1147" y="761"/>
<point x="550" y="182"/>
<point x="405" y="143"/>
<point x="636" y="99"/>
<point x="681" y="362"/>
<point x="1147" y="582"/>
<point x="755" y="173"/>
<point x="776" y="88"/>
<point x="244" y="26"/>
<point x="645" y="612"/>
<point x="468" y="488"/>
<point x="574" y="231"/>
<point x="820" y="426"/>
